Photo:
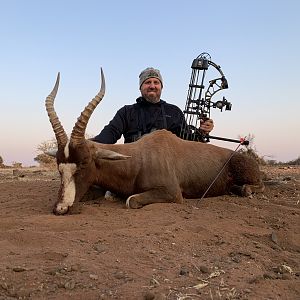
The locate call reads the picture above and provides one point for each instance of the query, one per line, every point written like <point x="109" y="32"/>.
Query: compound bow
<point x="197" y="108"/>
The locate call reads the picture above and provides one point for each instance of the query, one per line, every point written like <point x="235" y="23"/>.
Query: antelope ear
<point x="110" y="155"/>
<point x="51" y="152"/>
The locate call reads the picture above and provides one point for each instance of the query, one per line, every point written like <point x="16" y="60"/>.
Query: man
<point x="149" y="113"/>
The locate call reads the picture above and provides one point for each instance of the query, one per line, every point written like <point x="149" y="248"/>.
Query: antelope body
<point x="160" y="167"/>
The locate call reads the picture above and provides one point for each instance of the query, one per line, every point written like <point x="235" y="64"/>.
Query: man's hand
<point x="206" y="126"/>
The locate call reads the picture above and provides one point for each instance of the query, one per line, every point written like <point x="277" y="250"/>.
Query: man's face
<point x="151" y="90"/>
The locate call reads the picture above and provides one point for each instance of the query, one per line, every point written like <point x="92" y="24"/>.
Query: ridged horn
<point x="60" y="134"/>
<point x="78" y="131"/>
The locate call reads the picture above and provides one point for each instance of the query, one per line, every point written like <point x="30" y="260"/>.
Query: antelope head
<point x="74" y="157"/>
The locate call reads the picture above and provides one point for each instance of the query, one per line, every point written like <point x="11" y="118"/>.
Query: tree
<point x="45" y="159"/>
<point x="294" y="161"/>
<point x="46" y="146"/>
<point x="1" y="162"/>
<point x="42" y="157"/>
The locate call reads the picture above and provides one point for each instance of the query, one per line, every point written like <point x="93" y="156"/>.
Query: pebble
<point x="274" y="238"/>
<point x="94" y="276"/>
<point x="69" y="285"/>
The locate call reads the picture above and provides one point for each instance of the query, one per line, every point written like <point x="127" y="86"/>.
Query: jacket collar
<point x="142" y="100"/>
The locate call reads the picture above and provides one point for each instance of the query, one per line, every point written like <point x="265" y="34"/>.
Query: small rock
<point x="274" y="238"/>
<point x="286" y="269"/>
<point x="69" y="285"/>
<point x="94" y="276"/>
<point x="99" y="248"/>
<point x="149" y="296"/>
<point x="120" y="275"/>
<point x="4" y="286"/>
<point x="152" y="296"/>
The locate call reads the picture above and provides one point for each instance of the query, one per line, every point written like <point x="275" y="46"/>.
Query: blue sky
<point x="256" y="43"/>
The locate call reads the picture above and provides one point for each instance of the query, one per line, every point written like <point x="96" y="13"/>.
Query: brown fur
<point x="163" y="168"/>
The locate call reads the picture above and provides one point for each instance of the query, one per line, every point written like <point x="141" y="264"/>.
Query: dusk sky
<point x="256" y="43"/>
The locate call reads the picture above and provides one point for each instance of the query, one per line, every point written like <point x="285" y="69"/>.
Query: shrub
<point x="294" y="162"/>
<point x="43" y="158"/>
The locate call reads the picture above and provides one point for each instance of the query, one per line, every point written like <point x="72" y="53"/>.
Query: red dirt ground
<point x="218" y="248"/>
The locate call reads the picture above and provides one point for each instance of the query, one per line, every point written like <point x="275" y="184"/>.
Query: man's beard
<point x="152" y="99"/>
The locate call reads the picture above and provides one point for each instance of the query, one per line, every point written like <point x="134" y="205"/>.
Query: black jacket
<point x="140" y="118"/>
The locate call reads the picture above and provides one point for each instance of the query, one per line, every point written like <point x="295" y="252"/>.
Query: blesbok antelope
<point x="160" y="167"/>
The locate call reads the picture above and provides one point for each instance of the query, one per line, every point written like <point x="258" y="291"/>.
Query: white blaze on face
<point x="68" y="186"/>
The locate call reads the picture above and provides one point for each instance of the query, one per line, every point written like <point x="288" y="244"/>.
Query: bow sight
<point x="197" y="108"/>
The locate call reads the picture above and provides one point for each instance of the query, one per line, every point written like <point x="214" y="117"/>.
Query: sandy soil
<point x="217" y="248"/>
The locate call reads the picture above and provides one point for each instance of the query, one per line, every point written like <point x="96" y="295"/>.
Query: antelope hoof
<point x="246" y="190"/>
<point x="132" y="202"/>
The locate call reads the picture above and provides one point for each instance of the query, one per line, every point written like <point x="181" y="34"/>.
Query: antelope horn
<point x="78" y="131"/>
<point x="60" y="134"/>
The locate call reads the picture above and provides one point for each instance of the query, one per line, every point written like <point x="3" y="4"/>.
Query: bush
<point x="294" y="162"/>
<point x="1" y="162"/>
<point x="16" y="164"/>
<point x="252" y="153"/>
<point x="44" y="159"/>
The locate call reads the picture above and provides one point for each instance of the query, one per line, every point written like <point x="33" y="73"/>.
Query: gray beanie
<point x="150" y="73"/>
